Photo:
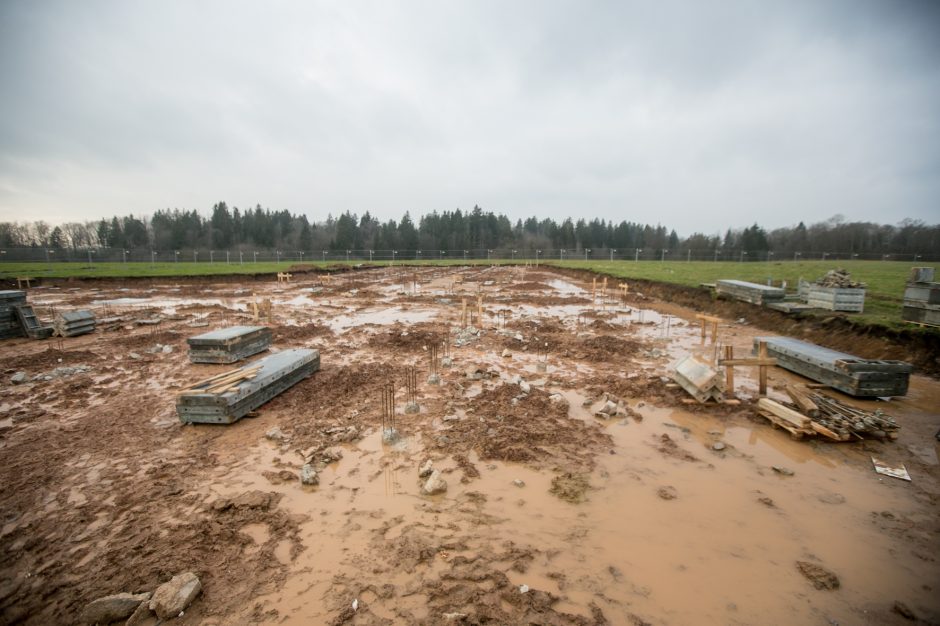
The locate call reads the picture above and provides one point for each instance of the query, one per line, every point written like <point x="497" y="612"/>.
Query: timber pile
<point x="227" y="345"/>
<point x="813" y="413"/>
<point x="74" y="323"/>
<point x="229" y="396"/>
<point x="9" y="325"/>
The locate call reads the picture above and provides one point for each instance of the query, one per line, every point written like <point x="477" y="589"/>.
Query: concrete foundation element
<point x="274" y="374"/>
<point x="228" y="345"/>
<point x="850" y="374"/>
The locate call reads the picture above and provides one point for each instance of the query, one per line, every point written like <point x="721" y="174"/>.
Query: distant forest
<point x="233" y="229"/>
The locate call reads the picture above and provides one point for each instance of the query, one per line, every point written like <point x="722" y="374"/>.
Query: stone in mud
<point x="525" y="387"/>
<point x="830" y="497"/>
<point x="519" y="482"/>
<point x="18" y="378"/>
<point x="447" y="361"/>
<point x="783" y="471"/>
<point x="450" y="418"/>
<point x="667" y="493"/>
<point x="173" y="597"/>
<point x="330" y="455"/>
<point x="275" y="434"/>
<point x="818" y="575"/>
<point x="412" y="408"/>
<point x="718" y="446"/>
<point x="112" y="608"/>
<point x="141" y="615"/>
<point x="557" y="398"/>
<point x="434" y="485"/>
<point x="474" y="373"/>
<point x="506" y="354"/>
<point x="610" y="408"/>
<point x="308" y="475"/>
<point x="426" y="469"/>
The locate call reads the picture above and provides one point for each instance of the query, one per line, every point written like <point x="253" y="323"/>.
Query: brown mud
<point x="555" y="512"/>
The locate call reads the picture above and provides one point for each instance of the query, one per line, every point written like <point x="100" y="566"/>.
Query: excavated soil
<point x="583" y="486"/>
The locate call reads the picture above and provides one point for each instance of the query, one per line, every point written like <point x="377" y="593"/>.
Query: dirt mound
<point x="401" y="337"/>
<point x="604" y="348"/>
<point x="507" y="425"/>
<point x="301" y="332"/>
<point x="48" y="359"/>
<point x="570" y="487"/>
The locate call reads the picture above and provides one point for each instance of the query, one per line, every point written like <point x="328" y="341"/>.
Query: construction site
<point x="458" y="445"/>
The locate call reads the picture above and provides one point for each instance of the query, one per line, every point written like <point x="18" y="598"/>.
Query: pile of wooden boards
<point x="813" y="413"/>
<point x="74" y="323"/>
<point x="229" y="396"/>
<point x="228" y="345"/>
<point x="922" y="298"/>
<point x="9" y="325"/>
<point x="849" y="374"/>
<point x="749" y="292"/>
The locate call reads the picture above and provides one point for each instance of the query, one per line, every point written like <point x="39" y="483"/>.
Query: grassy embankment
<point x="885" y="279"/>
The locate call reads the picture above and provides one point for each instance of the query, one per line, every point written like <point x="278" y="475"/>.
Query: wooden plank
<point x="762" y="370"/>
<point x="822" y="430"/>
<point x="790" y="428"/>
<point x="786" y="413"/>
<point x="798" y="393"/>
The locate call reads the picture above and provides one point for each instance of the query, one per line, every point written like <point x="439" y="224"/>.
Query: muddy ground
<point x="552" y="515"/>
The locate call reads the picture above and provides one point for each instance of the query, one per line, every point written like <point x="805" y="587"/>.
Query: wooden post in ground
<point x="762" y="369"/>
<point x="729" y="371"/>
<point x="708" y="320"/>
<point x="761" y="362"/>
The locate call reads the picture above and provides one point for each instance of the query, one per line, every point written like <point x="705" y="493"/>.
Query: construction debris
<point x="29" y="323"/>
<point x="228" y="345"/>
<point x="849" y="374"/>
<point x="894" y="472"/>
<point x="229" y="396"/>
<point x="700" y="379"/>
<point x="840" y="279"/>
<point x="9" y="325"/>
<point x="831" y="418"/>
<point x="74" y="323"/>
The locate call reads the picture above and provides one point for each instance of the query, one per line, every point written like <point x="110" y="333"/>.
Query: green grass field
<point x="885" y="279"/>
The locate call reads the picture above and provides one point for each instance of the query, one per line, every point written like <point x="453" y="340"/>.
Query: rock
<point x="525" y="387"/>
<point x="426" y="469"/>
<point x="450" y="418"/>
<point x="557" y="398"/>
<point x="718" y="446"/>
<point x="275" y="434"/>
<point x="519" y="482"/>
<point x="474" y="373"/>
<point x="134" y="356"/>
<point x="667" y="493"/>
<point x="173" y="597"/>
<point x="18" y="378"/>
<point x="782" y="470"/>
<point x="903" y="610"/>
<point x="331" y="455"/>
<point x="830" y="497"/>
<point x="768" y="502"/>
<point x="434" y="485"/>
<point x="308" y="475"/>
<point x="350" y="433"/>
<point x="610" y="408"/>
<point x="142" y="615"/>
<point x="112" y="608"/>
<point x="434" y="379"/>
<point x="389" y="435"/>
<point x="167" y="349"/>
<point x="541" y="366"/>
<point x="818" y="575"/>
<point x="523" y="588"/>
<point x="411" y="408"/>
<point x="447" y="362"/>
<point x="716" y="433"/>
<point x="506" y="353"/>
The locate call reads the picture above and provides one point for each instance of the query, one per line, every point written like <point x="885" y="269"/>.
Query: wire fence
<point x="91" y="256"/>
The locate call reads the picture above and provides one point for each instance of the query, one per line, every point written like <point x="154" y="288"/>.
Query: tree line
<point x="234" y="229"/>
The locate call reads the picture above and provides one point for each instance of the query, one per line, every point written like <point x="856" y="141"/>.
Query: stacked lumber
<point x="227" y="345"/>
<point x="74" y="323"/>
<point x="749" y="292"/>
<point x="839" y="370"/>
<point x="229" y="396"/>
<point x="813" y="413"/>
<point x="9" y="325"/>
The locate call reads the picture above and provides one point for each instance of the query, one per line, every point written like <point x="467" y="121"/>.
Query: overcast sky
<point x="698" y="115"/>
